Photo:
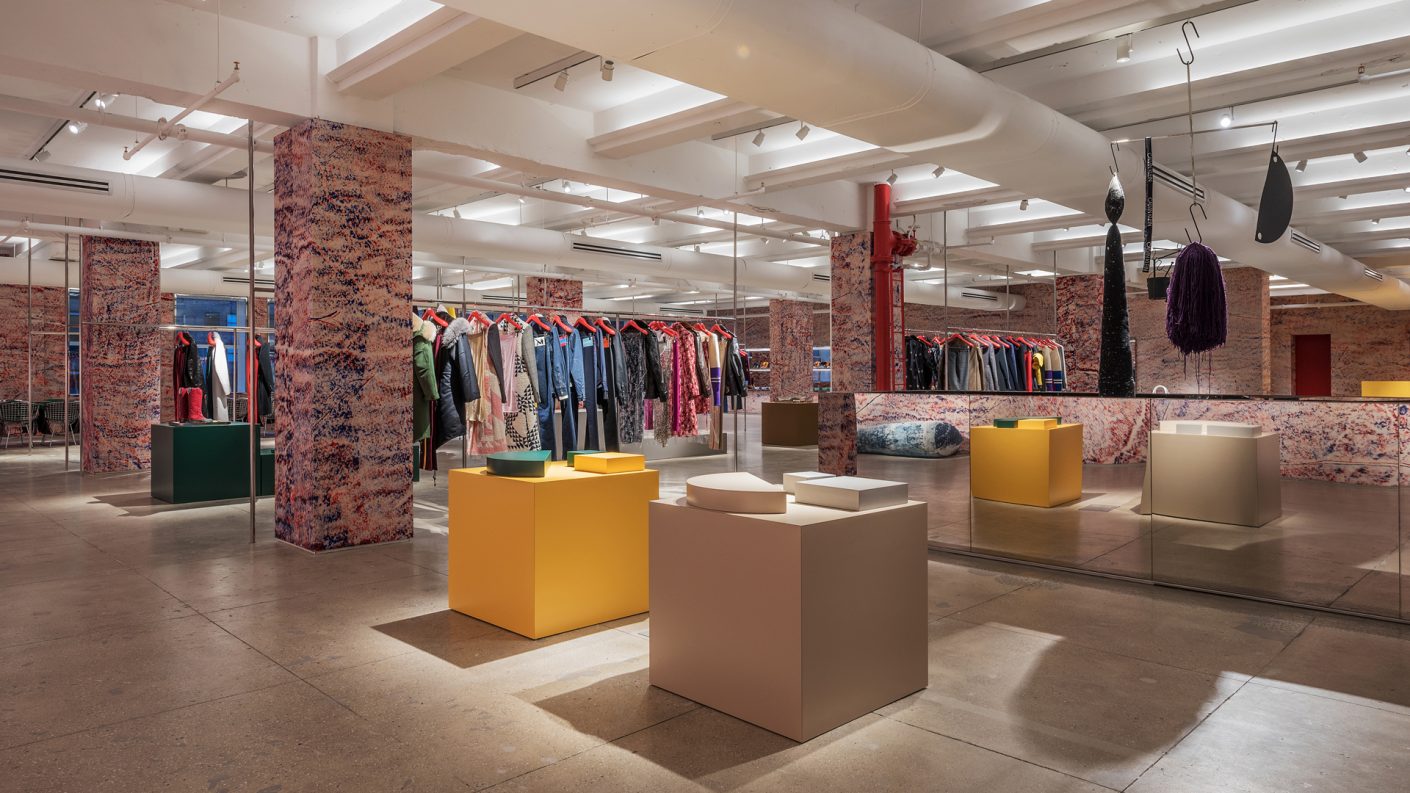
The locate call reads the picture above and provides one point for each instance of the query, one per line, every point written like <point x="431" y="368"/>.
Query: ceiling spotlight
<point x="1226" y="119"/>
<point x="567" y="186"/>
<point x="1023" y="205"/>
<point x="521" y="200"/>
<point x="938" y="172"/>
<point x="104" y="101"/>
<point x="561" y="81"/>
<point x="1301" y="166"/>
<point x="1375" y="221"/>
<point x="607" y="68"/>
<point x="1359" y="155"/>
<point x="455" y="211"/>
<point x="758" y="138"/>
<point x="892" y="178"/>
<point x="76" y="127"/>
<point x="1123" y="48"/>
<point x="43" y="155"/>
<point x="803" y="130"/>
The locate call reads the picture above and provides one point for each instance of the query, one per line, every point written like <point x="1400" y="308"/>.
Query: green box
<point x="203" y="462"/>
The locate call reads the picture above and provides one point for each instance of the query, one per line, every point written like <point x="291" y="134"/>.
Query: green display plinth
<point x="205" y="462"/>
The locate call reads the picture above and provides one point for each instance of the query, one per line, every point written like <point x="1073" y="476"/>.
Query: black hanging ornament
<point x="1116" y="374"/>
<point x="1275" y="207"/>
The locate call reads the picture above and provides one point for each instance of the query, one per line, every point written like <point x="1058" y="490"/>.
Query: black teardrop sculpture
<point x="1275" y="208"/>
<point x="1116" y="374"/>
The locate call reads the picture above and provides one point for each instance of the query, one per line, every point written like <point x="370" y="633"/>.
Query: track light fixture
<point x="758" y="138"/>
<point x="522" y="200"/>
<point x="938" y="172"/>
<point x="803" y="130"/>
<point x="43" y="155"/>
<point x="561" y="81"/>
<point x="1226" y="118"/>
<point x="607" y="68"/>
<point x="892" y="178"/>
<point x="1301" y="166"/>
<point x="1375" y="221"/>
<point x="1023" y="205"/>
<point x="1123" y="48"/>
<point x="104" y="101"/>
<point x="1359" y="155"/>
<point x="455" y="212"/>
<point x="567" y="186"/>
<point x="76" y="127"/>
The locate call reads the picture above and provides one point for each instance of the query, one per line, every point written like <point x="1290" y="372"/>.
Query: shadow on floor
<point x="466" y="642"/>
<point x="141" y="504"/>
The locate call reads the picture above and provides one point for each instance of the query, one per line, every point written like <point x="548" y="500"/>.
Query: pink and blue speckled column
<point x="851" y="312"/>
<point x="49" y="308"/>
<point x="553" y="292"/>
<point x="120" y="281"/>
<point x="342" y="401"/>
<point x="790" y="350"/>
<point x="837" y="434"/>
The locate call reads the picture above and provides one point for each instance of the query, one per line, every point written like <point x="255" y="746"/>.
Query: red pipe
<point x="883" y="378"/>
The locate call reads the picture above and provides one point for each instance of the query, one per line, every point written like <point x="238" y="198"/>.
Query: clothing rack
<point x="1028" y="361"/>
<point x="524" y="310"/>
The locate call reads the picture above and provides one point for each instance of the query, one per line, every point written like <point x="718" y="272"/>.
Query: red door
<point x="1312" y="365"/>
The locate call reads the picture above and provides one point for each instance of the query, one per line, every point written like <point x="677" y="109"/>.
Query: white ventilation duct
<point x="220" y="213"/>
<point x="822" y="62"/>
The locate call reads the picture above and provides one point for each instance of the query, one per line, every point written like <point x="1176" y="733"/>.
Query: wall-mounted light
<point x="1359" y="155"/>
<point x="758" y="138"/>
<point x="607" y="68"/>
<point x="561" y="81"/>
<point x="1123" y="48"/>
<point x="938" y="172"/>
<point x="803" y="130"/>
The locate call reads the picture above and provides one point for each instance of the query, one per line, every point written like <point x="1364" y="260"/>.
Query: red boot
<point x="193" y="404"/>
<point x="180" y="415"/>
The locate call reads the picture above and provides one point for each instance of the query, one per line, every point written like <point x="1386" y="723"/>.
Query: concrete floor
<point x="149" y="647"/>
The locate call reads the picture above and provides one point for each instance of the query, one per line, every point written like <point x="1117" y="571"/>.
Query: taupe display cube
<point x="1216" y="478"/>
<point x="799" y="622"/>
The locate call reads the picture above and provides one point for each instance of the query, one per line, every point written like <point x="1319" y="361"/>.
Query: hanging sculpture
<point x="1196" y="312"/>
<point x="1275" y="207"/>
<point x="1116" y="374"/>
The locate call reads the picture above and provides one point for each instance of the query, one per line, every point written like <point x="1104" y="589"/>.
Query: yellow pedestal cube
<point x="544" y="555"/>
<point x="609" y="462"/>
<point x="1037" y="463"/>
<point x="1386" y="389"/>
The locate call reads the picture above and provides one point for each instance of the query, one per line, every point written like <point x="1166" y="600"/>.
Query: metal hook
<point x="1275" y="135"/>
<point x="1185" y="33"/>
<point x="1198" y="233"/>
<point x="1115" y="166"/>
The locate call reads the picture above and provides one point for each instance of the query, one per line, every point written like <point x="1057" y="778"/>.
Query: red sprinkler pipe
<point x="883" y="282"/>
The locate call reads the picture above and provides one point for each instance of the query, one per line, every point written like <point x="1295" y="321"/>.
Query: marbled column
<point x="852" y="358"/>
<point x="1079" y="327"/>
<point x="48" y="306"/>
<point x="342" y="393"/>
<point x="790" y="350"/>
<point x="837" y="434"/>
<point x="168" y="339"/>
<point x="120" y="282"/>
<point x="554" y="292"/>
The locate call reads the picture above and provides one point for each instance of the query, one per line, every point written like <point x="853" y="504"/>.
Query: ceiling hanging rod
<point x="1256" y="125"/>
<point x="165" y="126"/>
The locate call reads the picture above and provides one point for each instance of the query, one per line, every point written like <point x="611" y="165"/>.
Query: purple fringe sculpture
<point x="1196" y="314"/>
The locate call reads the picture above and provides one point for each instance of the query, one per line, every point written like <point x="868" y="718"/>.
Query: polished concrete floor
<point x="149" y="647"/>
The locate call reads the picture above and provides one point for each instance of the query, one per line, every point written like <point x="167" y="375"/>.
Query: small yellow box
<point x="1386" y="389"/>
<point x="1039" y="466"/>
<point x="609" y="462"/>
<point x="543" y="555"/>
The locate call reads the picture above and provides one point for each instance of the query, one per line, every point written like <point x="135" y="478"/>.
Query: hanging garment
<point x="423" y="371"/>
<point x="736" y="383"/>
<point x="975" y="380"/>
<point x="185" y="373"/>
<point x="521" y="428"/>
<point x="988" y="369"/>
<point x="485" y="415"/>
<point x="508" y="353"/>
<point x="1011" y="366"/>
<point x="569" y="360"/>
<point x="217" y="380"/>
<point x="1038" y="370"/>
<point x="527" y="352"/>
<point x="701" y="400"/>
<point x="457" y="382"/>
<point x="590" y="395"/>
<point x="655" y="371"/>
<point x="685" y="394"/>
<point x="665" y="399"/>
<point x="630" y="407"/>
<point x="264" y="356"/>
<point x="551" y="389"/>
<point x="957" y="365"/>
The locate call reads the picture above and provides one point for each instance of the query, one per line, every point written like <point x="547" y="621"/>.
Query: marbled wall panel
<point x="1079" y="326"/>
<point x="852" y="359"/>
<point x="342" y="385"/>
<point x="790" y="349"/>
<point x="167" y="338"/>
<point x="837" y="434"/>
<point x="120" y="282"/>
<point x="1368" y="343"/>
<point x="553" y="292"/>
<point x="1241" y="366"/>
<point x="47" y="306"/>
<point x="1036" y="316"/>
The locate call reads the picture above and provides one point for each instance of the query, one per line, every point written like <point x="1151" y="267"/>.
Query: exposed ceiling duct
<point x="213" y="211"/>
<point x="837" y="69"/>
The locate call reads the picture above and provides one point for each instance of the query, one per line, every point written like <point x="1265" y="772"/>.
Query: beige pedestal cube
<point x="797" y="622"/>
<point x="1218" y="478"/>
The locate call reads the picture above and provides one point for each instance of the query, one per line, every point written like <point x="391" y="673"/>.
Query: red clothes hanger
<point x="432" y="316"/>
<point x="700" y="326"/>
<point x="537" y="320"/>
<point x="631" y="323"/>
<point x="721" y="331"/>
<point x="583" y="322"/>
<point x="606" y="325"/>
<point x="511" y="319"/>
<point x="557" y="320"/>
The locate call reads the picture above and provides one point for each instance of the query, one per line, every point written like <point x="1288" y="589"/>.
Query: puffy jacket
<point x="456" y="381"/>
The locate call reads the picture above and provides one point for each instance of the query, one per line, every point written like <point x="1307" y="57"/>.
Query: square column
<point x="554" y="292"/>
<point x="342" y="381"/>
<point x="790" y="350"/>
<point x="120" y="282"/>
